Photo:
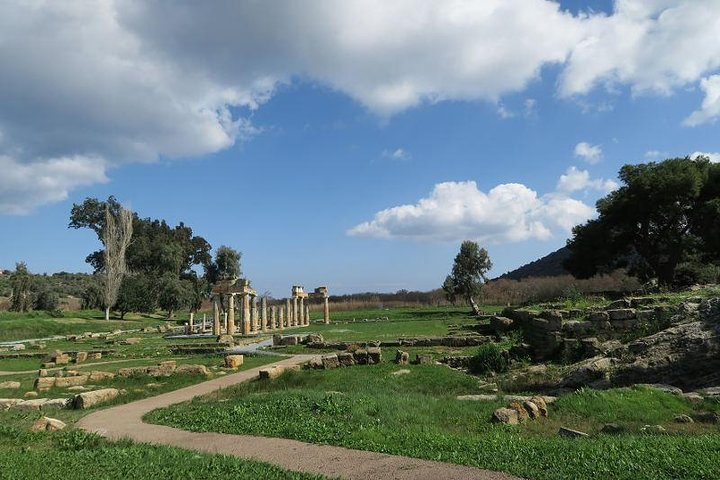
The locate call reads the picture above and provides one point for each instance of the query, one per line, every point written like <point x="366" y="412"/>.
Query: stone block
<point x="90" y="399"/>
<point x="234" y="361"/>
<point x="44" y="383"/>
<point x="315" y="363"/>
<point x="330" y="361"/>
<point x="553" y="320"/>
<point x="424" y="359"/>
<point x="361" y="356"/>
<point x="10" y="385"/>
<point x="226" y="340"/>
<point x="374" y="355"/>
<point x="94" y="356"/>
<point x="346" y="359"/>
<point x="623" y="303"/>
<point x="402" y="358"/>
<point x="570" y="433"/>
<point x="507" y="416"/>
<point x="621" y="314"/>
<point x="81" y="357"/>
<point x="598" y="317"/>
<point x="64" y="382"/>
<point x="501" y="324"/>
<point x="193" y="369"/>
<point x="96" y="376"/>
<point x="47" y="424"/>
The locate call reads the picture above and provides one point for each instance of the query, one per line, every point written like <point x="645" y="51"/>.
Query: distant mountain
<point x="547" y="266"/>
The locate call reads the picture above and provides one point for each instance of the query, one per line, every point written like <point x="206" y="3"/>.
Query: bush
<point x="489" y="358"/>
<point x="46" y="300"/>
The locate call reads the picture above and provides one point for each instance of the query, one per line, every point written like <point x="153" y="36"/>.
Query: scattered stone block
<point x="94" y="356"/>
<point x="400" y="372"/>
<point x="315" y="363"/>
<point x="621" y="314"/>
<point x="131" y="341"/>
<point x="541" y="404"/>
<point x="90" y="399"/>
<point x="96" y="376"/>
<point x="6" y="403"/>
<point x="521" y="412"/>
<point x="424" y="359"/>
<point x="570" y="433"/>
<point x="193" y="369"/>
<point x="507" y="416"/>
<point x="361" y="356"/>
<point x="374" y="355"/>
<point x="598" y="317"/>
<point x="18" y="346"/>
<point x="476" y="398"/>
<point x="693" y="397"/>
<point x="402" y="358"/>
<point x="81" y="357"/>
<point x="623" y="303"/>
<point x="234" y="361"/>
<point x="30" y="394"/>
<point x="532" y="410"/>
<point x="662" y="388"/>
<point x="42" y="372"/>
<point x="64" y="382"/>
<point x="500" y="324"/>
<point x="226" y="340"/>
<point x="44" y="383"/>
<point x="47" y="424"/>
<point x="346" y="359"/>
<point x="273" y="372"/>
<point x="10" y="385"/>
<point x="34" y="404"/>
<point x="315" y="338"/>
<point x="77" y="388"/>
<point x="330" y="361"/>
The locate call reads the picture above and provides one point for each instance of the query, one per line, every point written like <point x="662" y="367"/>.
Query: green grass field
<point x="75" y="454"/>
<point x="417" y="415"/>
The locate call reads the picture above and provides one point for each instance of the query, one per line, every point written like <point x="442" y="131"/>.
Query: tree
<point x="664" y="215"/>
<point x="468" y="273"/>
<point x="21" y="282"/>
<point x="92" y="296"/>
<point x="448" y="287"/>
<point x="226" y="265"/>
<point x="116" y="236"/>
<point x="47" y="300"/>
<point x="137" y="294"/>
<point x="174" y="294"/>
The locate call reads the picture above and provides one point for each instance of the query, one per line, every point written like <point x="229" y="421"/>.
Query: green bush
<point x="489" y="358"/>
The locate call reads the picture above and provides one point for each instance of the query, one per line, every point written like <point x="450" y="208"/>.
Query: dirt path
<point x="125" y="421"/>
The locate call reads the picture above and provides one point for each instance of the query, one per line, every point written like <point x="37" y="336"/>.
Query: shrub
<point x="489" y="358"/>
<point x="46" y="300"/>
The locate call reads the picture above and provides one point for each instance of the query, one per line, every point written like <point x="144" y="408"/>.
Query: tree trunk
<point x="476" y="309"/>
<point x="107" y="313"/>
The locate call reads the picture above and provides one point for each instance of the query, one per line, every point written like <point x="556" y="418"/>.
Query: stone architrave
<point x="246" y="314"/>
<point x="216" y="315"/>
<point x="263" y="314"/>
<point x="326" y="310"/>
<point x="231" y="314"/>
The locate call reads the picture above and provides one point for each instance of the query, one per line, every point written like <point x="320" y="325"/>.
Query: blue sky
<point x="333" y="154"/>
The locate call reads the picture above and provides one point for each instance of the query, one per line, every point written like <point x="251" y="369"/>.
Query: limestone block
<point x="424" y="359"/>
<point x="81" y="357"/>
<point x="90" y="399"/>
<point x="374" y="355"/>
<point x="234" y="361"/>
<point x="402" y="358"/>
<point x="226" y="340"/>
<point x="619" y="304"/>
<point x="346" y="359"/>
<point x="506" y="415"/>
<point x="10" y="385"/>
<point x="44" y="383"/>
<point x="6" y="403"/>
<point x="315" y="363"/>
<point x="622" y="314"/>
<point x="501" y="324"/>
<point x="64" y="382"/>
<point x="94" y="356"/>
<point x="47" y="424"/>
<point x="330" y="361"/>
<point x="193" y="369"/>
<point x="34" y="404"/>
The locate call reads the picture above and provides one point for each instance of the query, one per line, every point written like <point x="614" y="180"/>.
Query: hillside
<point x="548" y="266"/>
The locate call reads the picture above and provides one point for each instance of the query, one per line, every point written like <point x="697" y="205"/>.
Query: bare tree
<point x="116" y="237"/>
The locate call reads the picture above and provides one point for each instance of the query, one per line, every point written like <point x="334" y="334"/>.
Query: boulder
<point x="374" y="355"/>
<point x="47" y="424"/>
<point x="330" y="361"/>
<point x="501" y="324"/>
<point x="507" y="416"/>
<point x="402" y="358"/>
<point x="10" y="385"/>
<point x="521" y="412"/>
<point x="234" y="361"/>
<point x="570" y="433"/>
<point x="346" y="359"/>
<point x="90" y="399"/>
<point x="193" y="369"/>
<point x="424" y="359"/>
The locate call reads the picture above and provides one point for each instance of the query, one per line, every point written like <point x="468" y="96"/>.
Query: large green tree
<point x="21" y="282"/>
<point x="226" y="265"/>
<point x="468" y="273"/>
<point x="664" y="215"/>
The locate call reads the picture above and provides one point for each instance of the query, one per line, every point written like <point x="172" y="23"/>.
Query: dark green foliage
<point x="138" y="293"/>
<point x="46" y="300"/>
<point x="664" y="215"/>
<point x="489" y="358"/>
<point x="468" y="272"/>
<point x="226" y="265"/>
<point x="92" y="296"/>
<point x="173" y="293"/>
<point x="21" y="282"/>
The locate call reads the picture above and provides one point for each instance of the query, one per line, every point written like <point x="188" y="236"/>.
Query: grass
<point x="75" y="454"/>
<point x="417" y="415"/>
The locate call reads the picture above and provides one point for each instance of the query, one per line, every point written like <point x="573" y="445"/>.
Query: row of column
<point x="257" y="318"/>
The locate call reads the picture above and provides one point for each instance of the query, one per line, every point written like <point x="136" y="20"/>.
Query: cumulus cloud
<point x="574" y="180"/>
<point x="713" y="156"/>
<point x="127" y="81"/>
<point x="710" y="108"/>
<point x="399" y="154"/>
<point x="590" y="153"/>
<point x="458" y="210"/>
<point x="24" y="186"/>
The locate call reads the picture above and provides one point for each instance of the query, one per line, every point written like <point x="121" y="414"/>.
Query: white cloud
<point x="24" y="186"/>
<point x="399" y="154"/>
<point x="458" y="210"/>
<point x="574" y="180"/>
<point x="710" y="108"/>
<point x="654" y="154"/>
<point x="590" y="153"/>
<point x="713" y="156"/>
<point x="530" y="107"/>
<point x="130" y="81"/>
<point x="503" y="111"/>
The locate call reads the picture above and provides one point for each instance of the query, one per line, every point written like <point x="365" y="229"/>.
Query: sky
<point x="352" y="144"/>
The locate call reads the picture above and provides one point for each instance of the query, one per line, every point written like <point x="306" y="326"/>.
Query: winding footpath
<point x="125" y="422"/>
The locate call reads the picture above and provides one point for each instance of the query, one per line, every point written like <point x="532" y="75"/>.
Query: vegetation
<point x="662" y="223"/>
<point x="468" y="273"/>
<point x="226" y="265"/>
<point x="417" y="415"/>
<point x="73" y="454"/>
<point x="116" y="235"/>
<point x="490" y="357"/>
<point x="21" y="284"/>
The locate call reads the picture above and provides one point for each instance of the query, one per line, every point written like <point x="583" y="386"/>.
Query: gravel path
<point x="125" y="421"/>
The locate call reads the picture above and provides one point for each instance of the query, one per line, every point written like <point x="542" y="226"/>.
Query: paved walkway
<point x="125" y="421"/>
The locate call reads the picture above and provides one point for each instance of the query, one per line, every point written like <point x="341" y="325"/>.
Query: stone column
<point x="216" y="316"/>
<point x="281" y="317"/>
<point x="246" y="314"/>
<point x="293" y="322"/>
<point x="231" y="314"/>
<point x="254" y="311"/>
<point x="307" y="314"/>
<point x="288" y="312"/>
<point x="263" y="314"/>
<point x="301" y="312"/>
<point x="326" y="310"/>
<point x="271" y="317"/>
<point x="190" y="323"/>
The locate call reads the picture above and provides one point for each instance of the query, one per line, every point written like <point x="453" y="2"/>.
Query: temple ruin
<point x="253" y="316"/>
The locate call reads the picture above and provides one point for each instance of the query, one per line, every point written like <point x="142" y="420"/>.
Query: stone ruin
<point x="254" y="316"/>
